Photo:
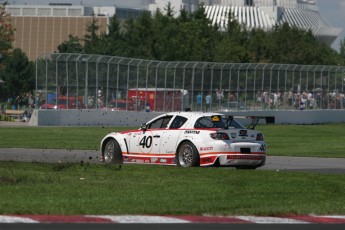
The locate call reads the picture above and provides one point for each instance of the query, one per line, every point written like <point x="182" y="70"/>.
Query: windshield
<point x="219" y="122"/>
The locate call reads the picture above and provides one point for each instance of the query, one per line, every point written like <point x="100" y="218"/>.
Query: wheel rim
<point x="109" y="151"/>
<point x="186" y="156"/>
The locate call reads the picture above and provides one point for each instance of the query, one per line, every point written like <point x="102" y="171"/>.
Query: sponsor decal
<point x="191" y="132"/>
<point x="140" y="161"/>
<point x="154" y="159"/>
<point x="163" y="160"/>
<point x="243" y="133"/>
<point x="148" y="160"/>
<point x="241" y="157"/>
<point x="263" y="148"/>
<point x="206" y="160"/>
<point x="206" y="148"/>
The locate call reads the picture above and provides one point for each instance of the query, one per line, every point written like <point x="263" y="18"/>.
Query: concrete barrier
<point x="132" y="119"/>
<point x="300" y="116"/>
<point x="89" y="118"/>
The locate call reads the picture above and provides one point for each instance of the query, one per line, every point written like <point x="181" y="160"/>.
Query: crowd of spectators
<point x="317" y="99"/>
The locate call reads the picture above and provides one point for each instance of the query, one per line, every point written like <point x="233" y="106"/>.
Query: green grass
<point x="327" y="140"/>
<point x="54" y="137"/>
<point x="282" y="140"/>
<point x="33" y="188"/>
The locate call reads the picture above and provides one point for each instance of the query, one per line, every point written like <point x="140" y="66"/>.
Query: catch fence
<point x="81" y="81"/>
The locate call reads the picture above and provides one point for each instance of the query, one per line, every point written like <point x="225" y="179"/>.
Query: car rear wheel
<point x="187" y="155"/>
<point x="112" y="152"/>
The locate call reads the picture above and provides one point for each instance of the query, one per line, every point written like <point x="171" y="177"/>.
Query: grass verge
<point x="282" y="140"/>
<point x="33" y="188"/>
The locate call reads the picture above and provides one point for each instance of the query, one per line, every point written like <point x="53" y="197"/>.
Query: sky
<point x="333" y="11"/>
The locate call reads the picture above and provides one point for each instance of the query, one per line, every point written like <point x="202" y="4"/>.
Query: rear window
<point x="210" y="122"/>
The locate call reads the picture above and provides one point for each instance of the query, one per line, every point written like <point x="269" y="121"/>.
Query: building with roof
<point x="41" y="25"/>
<point x="265" y="14"/>
<point x="39" y="29"/>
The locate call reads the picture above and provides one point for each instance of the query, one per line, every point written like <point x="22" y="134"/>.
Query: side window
<point x="178" y="122"/>
<point x="203" y="123"/>
<point x="160" y="123"/>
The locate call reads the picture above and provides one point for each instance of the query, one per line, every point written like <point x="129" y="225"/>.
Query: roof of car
<point x="193" y="113"/>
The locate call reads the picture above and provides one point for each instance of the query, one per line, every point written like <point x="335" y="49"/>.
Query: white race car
<point x="188" y="139"/>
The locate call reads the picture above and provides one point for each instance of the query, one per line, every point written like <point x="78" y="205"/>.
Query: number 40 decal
<point x="146" y="142"/>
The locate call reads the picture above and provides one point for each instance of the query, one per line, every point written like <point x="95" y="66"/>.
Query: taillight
<point x="219" y="136"/>
<point x="259" y="137"/>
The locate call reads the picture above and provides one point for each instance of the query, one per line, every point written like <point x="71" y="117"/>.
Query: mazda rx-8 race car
<point x="188" y="139"/>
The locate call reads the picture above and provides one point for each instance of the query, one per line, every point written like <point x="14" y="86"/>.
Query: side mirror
<point x="143" y="126"/>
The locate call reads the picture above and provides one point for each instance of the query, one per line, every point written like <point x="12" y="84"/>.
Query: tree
<point x="139" y="36"/>
<point x="72" y="45"/>
<point x="258" y="46"/>
<point x="192" y="37"/>
<point x="206" y="35"/>
<point x="231" y="48"/>
<point x="18" y="75"/>
<point x="342" y="49"/>
<point x="113" y="41"/>
<point x="292" y="45"/>
<point x="6" y="32"/>
<point x="91" y="37"/>
<point x="169" y="10"/>
<point x="15" y="68"/>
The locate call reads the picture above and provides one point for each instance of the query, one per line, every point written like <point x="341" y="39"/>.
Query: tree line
<point x="192" y="37"/>
<point x="17" y="73"/>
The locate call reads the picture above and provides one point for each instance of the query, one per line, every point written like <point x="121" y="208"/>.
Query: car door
<point x="148" y="141"/>
<point x="171" y="136"/>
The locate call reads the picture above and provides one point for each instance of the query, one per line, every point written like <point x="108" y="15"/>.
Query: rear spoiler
<point x="254" y="120"/>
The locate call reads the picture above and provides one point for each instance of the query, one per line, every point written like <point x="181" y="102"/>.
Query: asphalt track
<point x="305" y="164"/>
<point x="318" y="165"/>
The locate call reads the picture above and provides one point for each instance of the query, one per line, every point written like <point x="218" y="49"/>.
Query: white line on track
<point x="333" y="216"/>
<point x="270" y="220"/>
<point x="14" y="219"/>
<point x="142" y="219"/>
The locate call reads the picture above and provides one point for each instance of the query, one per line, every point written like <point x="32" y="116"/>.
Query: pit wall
<point x="133" y="119"/>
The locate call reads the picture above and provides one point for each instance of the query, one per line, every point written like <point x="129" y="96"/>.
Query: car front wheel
<point x="187" y="155"/>
<point x="112" y="152"/>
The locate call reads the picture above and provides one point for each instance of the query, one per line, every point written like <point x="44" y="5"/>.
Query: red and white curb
<point x="149" y="219"/>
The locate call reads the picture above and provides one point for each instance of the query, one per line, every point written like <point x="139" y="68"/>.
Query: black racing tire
<point x="112" y="153"/>
<point x="187" y="155"/>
